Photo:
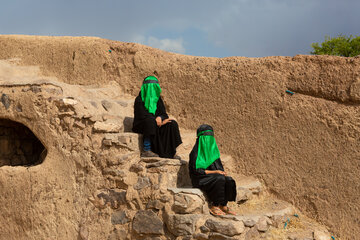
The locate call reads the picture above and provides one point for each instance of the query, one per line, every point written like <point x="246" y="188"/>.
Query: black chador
<point x="206" y="170"/>
<point x="164" y="139"/>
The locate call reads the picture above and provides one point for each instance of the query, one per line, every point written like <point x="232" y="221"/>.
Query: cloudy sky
<point x="213" y="28"/>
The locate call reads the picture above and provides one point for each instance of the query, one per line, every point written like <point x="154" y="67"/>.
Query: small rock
<point x="18" y="107"/>
<point x="119" y="217"/>
<point x="5" y="101"/>
<point x="262" y="224"/>
<point x="321" y="235"/>
<point x="142" y="182"/>
<point x="118" y="234"/>
<point x="107" y="142"/>
<point x="249" y="222"/>
<point x="35" y="89"/>
<point x="204" y="229"/>
<point x="168" y="162"/>
<point x="137" y="168"/>
<point x="106" y="105"/>
<point x="147" y="222"/>
<point x="122" y="103"/>
<point x="114" y="172"/>
<point x="79" y="125"/>
<point x="94" y="104"/>
<point x="155" y="204"/>
<point x="165" y="198"/>
<point x="104" y="127"/>
<point x="201" y="236"/>
<point x="111" y="197"/>
<point x="69" y="102"/>
<point x="219" y="236"/>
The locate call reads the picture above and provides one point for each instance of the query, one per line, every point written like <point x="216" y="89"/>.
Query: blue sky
<point x="212" y="28"/>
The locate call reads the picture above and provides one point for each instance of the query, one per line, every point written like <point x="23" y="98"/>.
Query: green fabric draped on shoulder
<point x="208" y="151"/>
<point x="150" y="93"/>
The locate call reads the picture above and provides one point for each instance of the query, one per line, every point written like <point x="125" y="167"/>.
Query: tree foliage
<point x="338" y="46"/>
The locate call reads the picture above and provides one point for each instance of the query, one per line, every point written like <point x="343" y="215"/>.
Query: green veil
<point x="150" y="93"/>
<point x="208" y="150"/>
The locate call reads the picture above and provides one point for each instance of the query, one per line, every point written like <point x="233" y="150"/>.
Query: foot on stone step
<point x="216" y="211"/>
<point x="146" y="154"/>
<point x="227" y="210"/>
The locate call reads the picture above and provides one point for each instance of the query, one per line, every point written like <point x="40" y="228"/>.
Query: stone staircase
<point x="172" y="209"/>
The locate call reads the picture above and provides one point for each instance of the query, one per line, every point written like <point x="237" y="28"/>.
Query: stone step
<point x="264" y="206"/>
<point x="131" y="141"/>
<point x="262" y="218"/>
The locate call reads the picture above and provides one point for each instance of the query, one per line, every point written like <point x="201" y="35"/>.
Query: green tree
<point x="338" y="46"/>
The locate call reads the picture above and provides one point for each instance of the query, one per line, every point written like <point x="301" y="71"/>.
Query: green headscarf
<point x="208" y="150"/>
<point x="150" y="93"/>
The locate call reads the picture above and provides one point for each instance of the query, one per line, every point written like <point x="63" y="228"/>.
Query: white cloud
<point x="167" y="44"/>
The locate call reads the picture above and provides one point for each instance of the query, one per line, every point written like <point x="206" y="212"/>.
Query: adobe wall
<point x="305" y="147"/>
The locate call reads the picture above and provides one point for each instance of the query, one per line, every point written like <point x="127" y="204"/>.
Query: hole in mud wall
<point x="19" y="146"/>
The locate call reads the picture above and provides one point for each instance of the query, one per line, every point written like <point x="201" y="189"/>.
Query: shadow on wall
<point x="19" y="146"/>
<point x="128" y="124"/>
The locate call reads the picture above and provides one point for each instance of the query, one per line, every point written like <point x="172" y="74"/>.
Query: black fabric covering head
<point x="203" y="127"/>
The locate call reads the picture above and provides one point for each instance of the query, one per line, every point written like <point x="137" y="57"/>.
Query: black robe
<point x="219" y="189"/>
<point x="164" y="139"/>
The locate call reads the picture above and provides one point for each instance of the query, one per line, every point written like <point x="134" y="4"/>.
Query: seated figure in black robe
<point x="160" y="134"/>
<point x="207" y="172"/>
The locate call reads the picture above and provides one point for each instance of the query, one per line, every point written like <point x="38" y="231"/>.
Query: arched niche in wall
<point x="19" y="146"/>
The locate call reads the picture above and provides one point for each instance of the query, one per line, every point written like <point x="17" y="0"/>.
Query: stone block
<point x="119" y="217"/>
<point x="188" y="203"/>
<point x="110" y="197"/>
<point x="262" y="224"/>
<point x="5" y="101"/>
<point x="106" y="127"/>
<point x="226" y="227"/>
<point x="219" y="236"/>
<point x="252" y="234"/>
<point x="181" y="225"/>
<point x="137" y="168"/>
<point x="155" y="204"/>
<point x="147" y="222"/>
<point x="142" y="182"/>
<point x="201" y="236"/>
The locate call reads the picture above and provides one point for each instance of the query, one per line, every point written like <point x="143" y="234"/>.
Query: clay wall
<point x="305" y="146"/>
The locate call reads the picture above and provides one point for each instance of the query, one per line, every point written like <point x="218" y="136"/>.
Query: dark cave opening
<point x="19" y="146"/>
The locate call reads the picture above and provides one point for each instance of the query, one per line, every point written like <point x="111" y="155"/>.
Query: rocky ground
<point x="90" y="183"/>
